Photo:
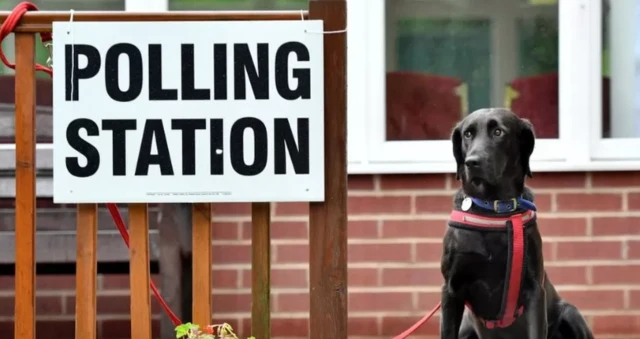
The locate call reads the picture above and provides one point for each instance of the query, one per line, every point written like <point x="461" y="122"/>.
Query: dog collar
<point x="499" y="206"/>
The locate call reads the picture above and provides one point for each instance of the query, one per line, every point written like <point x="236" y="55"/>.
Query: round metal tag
<point x="466" y="204"/>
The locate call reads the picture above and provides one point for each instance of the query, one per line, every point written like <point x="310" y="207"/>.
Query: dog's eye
<point x="497" y="132"/>
<point x="467" y="134"/>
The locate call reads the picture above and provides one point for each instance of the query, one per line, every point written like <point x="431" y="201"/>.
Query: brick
<point x="287" y="327"/>
<point x="428" y="300"/>
<point x="363" y="277"/>
<point x="113" y="305"/>
<point x="567" y="275"/>
<point x="634" y="249"/>
<point x="230" y="254"/>
<point x="360" y="182"/>
<point x="413" y="181"/>
<point x="588" y="250"/>
<point x="231" y="303"/>
<point x="634" y="299"/>
<point x="121" y="281"/>
<point x="224" y="278"/>
<point x="434" y="203"/>
<point x="281" y="278"/>
<point x="7" y="282"/>
<point x="623" y="274"/>
<point x="231" y="209"/>
<point x="379" y="205"/>
<point x="616" y="324"/>
<point x="394" y="325"/>
<point x="429" y="252"/>
<point x="595" y="299"/>
<point x="634" y="201"/>
<point x="62" y="329"/>
<point x="379" y="253"/>
<point x="543" y="202"/>
<point x="225" y="230"/>
<point x="291" y="253"/>
<point x="121" y="328"/>
<point x="589" y="202"/>
<point x="616" y="226"/>
<point x="412" y="228"/>
<point x="363" y="326"/>
<point x="411" y="277"/>
<point x="562" y="226"/>
<point x="362" y="229"/>
<point x="548" y="250"/>
<point x="558" y="179"/>
<point x="55" y="282"/>
<point x="45" y="305"/>
<point x="615" y="179"/>
<point x="292" y="208"/>
<point x="281" y="230"/>
<point x="387" y="301"/>
<point x="292" y="302"/>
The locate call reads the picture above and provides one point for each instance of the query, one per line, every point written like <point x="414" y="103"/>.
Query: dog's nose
<point x="472" y="161"/>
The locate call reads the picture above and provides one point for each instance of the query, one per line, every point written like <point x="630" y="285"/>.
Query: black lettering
<point x="119" y="128"/>
<point x="189" y="92"/>
<point x="299" y="153"/>
<point x="111" y="66"/>
<point x="259" y="79"/>
<point x="83" y="147"/>
<point x="71" y="66"/>
<point x="303" y="75"/>
<point x="156" y="92"/>
<point x="220" y="71"/>
<point x="259" y="146"/>
<point x="188" y="127"/>
<point x="154" y="127"/>
<point x="217" y="146"/>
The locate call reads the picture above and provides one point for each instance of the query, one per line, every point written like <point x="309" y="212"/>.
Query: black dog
<point x="495" y="282"/>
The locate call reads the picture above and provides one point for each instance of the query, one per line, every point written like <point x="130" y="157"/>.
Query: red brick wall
<point x="590" y="223"/>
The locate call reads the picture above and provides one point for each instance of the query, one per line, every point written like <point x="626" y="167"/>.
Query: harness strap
<point x="514" y="225"/>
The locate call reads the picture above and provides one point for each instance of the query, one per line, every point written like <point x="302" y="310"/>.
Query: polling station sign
<point x="156" y="112"/>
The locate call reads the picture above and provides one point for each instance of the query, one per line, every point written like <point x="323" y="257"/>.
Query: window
<point x="618" y="122"/>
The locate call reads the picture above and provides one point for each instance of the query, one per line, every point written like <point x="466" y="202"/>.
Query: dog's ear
<point x="527" y="142"/>
<point x="456" y="139"/>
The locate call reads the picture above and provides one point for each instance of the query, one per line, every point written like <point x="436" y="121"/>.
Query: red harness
<point x="514" y="225"/>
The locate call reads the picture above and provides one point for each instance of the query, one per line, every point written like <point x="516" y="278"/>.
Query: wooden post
<point x="139" y="271"/>
<point x="261" y="270"/>
<point x="25" y="127"/>
<point x="328" y="219"/>
<point x="201" y="269"/>
<point x="86" y="270"/>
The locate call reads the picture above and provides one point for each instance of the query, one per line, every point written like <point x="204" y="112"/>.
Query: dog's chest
<point x="477" y="267"/>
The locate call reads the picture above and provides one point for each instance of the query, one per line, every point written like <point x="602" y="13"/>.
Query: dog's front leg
<point x="537" y="315"/>
<point x="452" y="311"/>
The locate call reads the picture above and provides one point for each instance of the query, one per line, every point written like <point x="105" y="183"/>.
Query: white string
<point x="340" y="31"/>
<point x="73" y="58"/>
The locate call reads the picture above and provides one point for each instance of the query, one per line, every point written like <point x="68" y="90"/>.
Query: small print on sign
<point x="155" y="112"/>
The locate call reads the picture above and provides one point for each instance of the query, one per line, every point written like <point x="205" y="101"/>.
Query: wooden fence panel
<point x="86" y="270"/>
<point x="139" y="274"/>
<point x="201" y="257"/>
<point x="25" y="186"/>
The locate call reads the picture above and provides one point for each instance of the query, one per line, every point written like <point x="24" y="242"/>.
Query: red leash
<point x="417" y="325"/>
<point x="7" y="27"/>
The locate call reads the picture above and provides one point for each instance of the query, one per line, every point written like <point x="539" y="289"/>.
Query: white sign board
<point x="188" y="111"/>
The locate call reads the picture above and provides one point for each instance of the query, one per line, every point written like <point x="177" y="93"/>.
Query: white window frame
<point x="609" y="149"/>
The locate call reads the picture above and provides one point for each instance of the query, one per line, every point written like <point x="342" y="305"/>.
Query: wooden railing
<point x="327" y="220"/>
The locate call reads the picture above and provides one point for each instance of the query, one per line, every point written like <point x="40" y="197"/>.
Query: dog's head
<point x="492" y="148"/>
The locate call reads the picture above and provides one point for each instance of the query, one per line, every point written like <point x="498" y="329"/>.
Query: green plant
<point x="193" y="331"/>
